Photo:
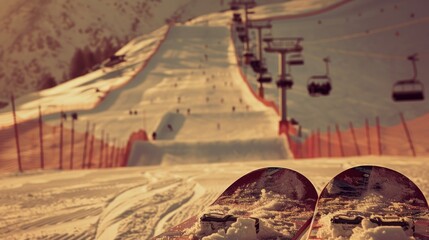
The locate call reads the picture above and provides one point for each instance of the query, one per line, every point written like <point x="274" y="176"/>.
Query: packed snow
<point x="210" y="128"/>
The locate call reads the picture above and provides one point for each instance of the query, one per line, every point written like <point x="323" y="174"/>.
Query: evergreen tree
<point x="77" y="65"/>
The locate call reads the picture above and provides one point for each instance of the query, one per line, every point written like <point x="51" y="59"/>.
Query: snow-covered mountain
<point x="45" y="42"/>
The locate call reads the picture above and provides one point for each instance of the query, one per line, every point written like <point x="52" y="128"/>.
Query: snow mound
<point x="187" y="152"/>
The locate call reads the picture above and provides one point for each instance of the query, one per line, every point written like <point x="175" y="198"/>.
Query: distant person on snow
<point x="170" y="127"/>
<point x="64" y="115"/>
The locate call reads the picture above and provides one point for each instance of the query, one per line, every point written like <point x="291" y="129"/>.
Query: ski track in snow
<point x="198" y="192"/>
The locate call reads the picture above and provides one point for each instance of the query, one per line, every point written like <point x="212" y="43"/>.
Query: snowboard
<point x="268" y="203"/>
<point x="370" y="202"/>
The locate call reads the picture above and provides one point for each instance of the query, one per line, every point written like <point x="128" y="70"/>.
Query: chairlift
<point x="248" y="56"/>
<point x="285" y="83"/>
<point x="320" y="85"/>
<point x="243" y="37"/>
<point x="240" y="28"/>
<point x="265" y="78"/>
<point x="268" y="37"/>
<point x="296" y="60"/>
<point x="236" y="17"/>
<point x="256" y="65"/>
<point x="410" y="89"/>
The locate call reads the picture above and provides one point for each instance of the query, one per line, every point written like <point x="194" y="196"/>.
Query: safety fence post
<point x="407" y="132"/>
<point x="368" y="136"/>
<point x="61" y="141"/>
<point x="106" y="155"/>
<point x="72" y="143"/>
<point x="312" y="144"/>
<point x="91" y="146"/>
<point x="15" y="124"/>
<point x="319" y="147"/>
<point x="377" y="122"/>
<point x="123" y="154"/>
<point x="112" y="153"/>
<point x="308" y="147"/>
<point x="85" y="145"/>
<point x="42" y="157"/>
<point x="354" y="139"/>
<point x="329" y="142"/>
<point x="100" y="160"/>
<point x="117" y="155"/>
<point x="340" y="140"/>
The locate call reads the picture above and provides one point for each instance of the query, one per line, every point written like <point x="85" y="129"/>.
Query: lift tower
<point x="283" y="46"/>
<point x="259" y="26"/>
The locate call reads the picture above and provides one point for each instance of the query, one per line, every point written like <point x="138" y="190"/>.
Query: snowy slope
<point x="140" y="202"/>
<point x="39" y="38"/>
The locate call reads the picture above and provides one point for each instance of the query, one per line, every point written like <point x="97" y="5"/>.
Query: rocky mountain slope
<point x="46" y="42"/>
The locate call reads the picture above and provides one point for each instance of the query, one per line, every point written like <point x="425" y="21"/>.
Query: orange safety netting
<point x="62" y="148"/>
<point x="407" y="138"/>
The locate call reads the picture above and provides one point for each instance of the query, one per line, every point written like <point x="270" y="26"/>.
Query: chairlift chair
<point x="287" y="82"/>
<point x="236" y="17"/>
<point x="410" y="89"/>
<point x="240" y="28"/>
<point x="243" y="37"/>
<point x="320" y="85"/>
<point x="296" y="60"/>
<point x="265" y="78"/>
<point x="248" y="57"/>
<point x="256" y="65"/>
<point x="268" y="37"/>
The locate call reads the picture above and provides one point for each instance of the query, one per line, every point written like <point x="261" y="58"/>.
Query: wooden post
<point x="306" y="148"/>
<point x="329" y="142"/>
<point x="112" y="153"/>
<point x="124" y="154"/>
<point x="91" y="146"/>
<point x="106" y="156"/>
<point x="310" y="145"/>
<point x="101" y="149"/>
<point x="368" y="136"/>
<point x="72" y="144"/>
<point x="313" y="145"/>
<point x="319" y="147"/>
<point x="340" y="140"/>
<point x="61" y="142"/>
<point x="15" y="124"/>
<point x="354" y="139"/>
<point x="407" y="132"/>
<point x="42" y="157"/>
<point x="85" y="145"/>
<point x="377" y="121"/>
<point x="117" y="155"/>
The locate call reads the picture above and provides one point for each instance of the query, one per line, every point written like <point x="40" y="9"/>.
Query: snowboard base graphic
<point x="269" y="203"/>
<point x="370" y="202"/>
